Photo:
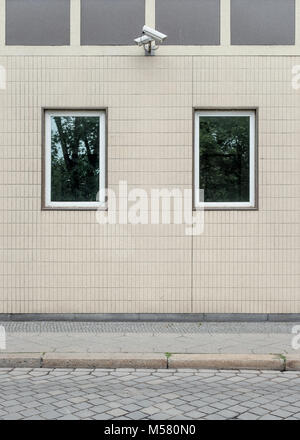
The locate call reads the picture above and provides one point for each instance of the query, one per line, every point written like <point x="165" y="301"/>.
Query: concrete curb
<point x="150" y="360"/>
<point x="292" y="362"/>
<point x="20" y="360"/>
<point x="104" y="360"/>
<point x="227" y="361"/>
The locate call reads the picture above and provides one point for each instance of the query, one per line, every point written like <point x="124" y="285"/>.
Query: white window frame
<point x="252" y="171"/>
<point x="101" y="203"/>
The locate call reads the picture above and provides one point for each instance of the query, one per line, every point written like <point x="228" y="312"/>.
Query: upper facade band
<point x="194" y="27"/>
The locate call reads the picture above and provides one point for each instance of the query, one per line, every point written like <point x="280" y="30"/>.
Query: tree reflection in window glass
<point x="74" y="158"/>
<point x="224" y="158"/>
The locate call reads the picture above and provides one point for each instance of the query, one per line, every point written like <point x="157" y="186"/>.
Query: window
<point x="74" y="159"/>
<point x="189" y="22"/>
<point x="111" y="22"/>
<point x="38" y="22"/>
<point x="262" y="22"/>
<point x="225" y="159"/>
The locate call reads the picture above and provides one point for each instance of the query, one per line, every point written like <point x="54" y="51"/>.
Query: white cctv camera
<point x="153" y="33"/>
<point x="143" y="40"/>
<point x="148" y="37"/>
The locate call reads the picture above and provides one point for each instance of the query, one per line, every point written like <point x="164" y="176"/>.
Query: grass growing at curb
<point x="283" y="358"/>
<point x="168" y="355"/>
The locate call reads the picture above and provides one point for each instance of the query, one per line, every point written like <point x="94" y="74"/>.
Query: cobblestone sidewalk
<point x="148" y="394"/>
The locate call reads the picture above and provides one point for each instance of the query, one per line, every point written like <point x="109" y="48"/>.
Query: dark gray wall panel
<point x="111" y="22"/>
<point x="38" y="22"/>
<point x="190" y="22"/>
<point x="262" y="22"/>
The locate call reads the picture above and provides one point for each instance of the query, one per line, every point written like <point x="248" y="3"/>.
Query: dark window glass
<point x="111" y="22"/>
<point x="74" y="158"/>
<point x="224" y="158"/>
<point x="262" y="22"/>
<point x="189" y="22"/>
<point x="38" y="22"/>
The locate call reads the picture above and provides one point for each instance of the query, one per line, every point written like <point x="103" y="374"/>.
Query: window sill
<point x="75" y="208"/>
<point x="225" y="208"/>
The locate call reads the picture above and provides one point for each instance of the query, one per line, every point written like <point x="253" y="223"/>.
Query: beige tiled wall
<point x="64" y="262"/>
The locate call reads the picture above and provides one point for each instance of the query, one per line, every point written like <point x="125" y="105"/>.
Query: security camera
<point x="144" y="39"/>
<point x="153" y="33"/>
<point x="148" y="37"/>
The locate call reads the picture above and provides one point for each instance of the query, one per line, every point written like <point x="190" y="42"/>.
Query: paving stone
<point x="50" y="415"/>
<point x="16" y="408"/>
<point x="84" y="414"/>
<point x="185" y="408"/>
<point x="30" y="412"/>
<point x="161" y="416"/>
<point x="227" y="414"/>
<point x="269" y="417"/>
<point x="83" y="405"/>
<point x="61" y="403"/>
<point x="195" y="415"/>
<point x="149" y="395"/>
<point x="101" y="409"/>
<point x="219" y="405"/>
<point x="239" y="409"/>
<point x="259" y="411"/>
<point x="150" y="410"/>
<point x="131" y="407"/>
<point x="136" y="415"/>
<point x="67" y="410"/>
<point x="77" y="399"/>
<point x="116" y="412"/>
<point x="13" y="416"/>
<point x="12" y="402"/>
<point x="248" y="416"/>
<point x="290" y="399"/>
<point x="68" y="417"/>
<point x="281" y="413"/>
<point x="35" y="418"/>
<point x="215" y="417"/>
<point x="249" y="404"/>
